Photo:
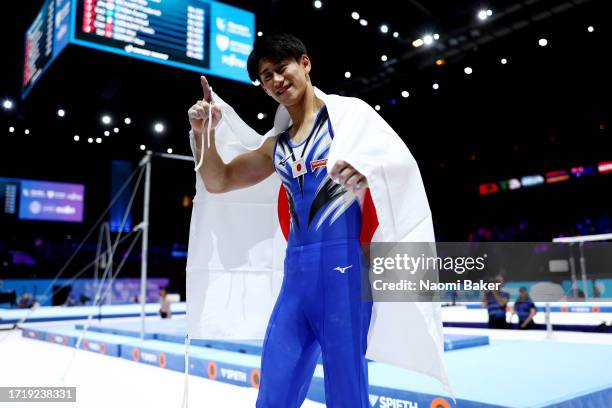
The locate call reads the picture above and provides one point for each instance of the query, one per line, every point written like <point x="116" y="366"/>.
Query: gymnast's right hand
<point x="198" y="113"/>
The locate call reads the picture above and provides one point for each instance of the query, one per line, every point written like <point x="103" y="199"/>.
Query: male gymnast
<point x="320" y="309"/>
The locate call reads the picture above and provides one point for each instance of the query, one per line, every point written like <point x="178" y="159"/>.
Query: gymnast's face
<point x="285" y="81"/>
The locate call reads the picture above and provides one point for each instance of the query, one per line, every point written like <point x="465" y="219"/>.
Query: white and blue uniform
<point x="320" y="308"/>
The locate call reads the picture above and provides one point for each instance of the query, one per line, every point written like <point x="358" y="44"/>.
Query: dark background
<point x="547" y="109"/>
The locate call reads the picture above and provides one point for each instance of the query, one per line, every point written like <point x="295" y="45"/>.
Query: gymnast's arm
<point x="243" y="171"/>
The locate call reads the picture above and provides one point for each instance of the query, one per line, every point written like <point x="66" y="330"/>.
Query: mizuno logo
<point x="282" y="162"/>
<point x="342" y="269"/>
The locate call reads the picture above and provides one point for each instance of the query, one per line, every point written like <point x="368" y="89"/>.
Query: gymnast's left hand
<point x="347" y="176"/>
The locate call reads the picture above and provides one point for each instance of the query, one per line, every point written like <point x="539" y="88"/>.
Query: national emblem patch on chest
<point x="298" y="168"/>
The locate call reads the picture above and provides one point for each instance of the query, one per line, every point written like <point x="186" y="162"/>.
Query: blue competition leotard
<point x="319" y="310"/>
<point x="321" y="210"/>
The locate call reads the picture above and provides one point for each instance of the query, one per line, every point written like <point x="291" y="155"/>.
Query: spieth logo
<point x="148" y="358"/>
<point x="388" y="402"/>
<point x="93" y="346"/>
<point x="233" y="375"/>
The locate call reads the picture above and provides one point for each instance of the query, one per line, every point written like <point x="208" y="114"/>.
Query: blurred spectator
<point x="26" y="301"/>
<point x="84" y="300"/>
<point x="525" y="309"/>
<point x="523" y="230"/>
<point x="164" y="304"/>
<point x="596" y="289"/>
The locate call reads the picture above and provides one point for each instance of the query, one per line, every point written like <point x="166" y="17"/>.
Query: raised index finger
<point x="206" y="89"/>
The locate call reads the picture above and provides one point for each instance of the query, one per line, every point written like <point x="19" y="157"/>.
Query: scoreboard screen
<point x="45" y="39"/>
<point x="208" y="37"/>
<point x="8" y="196"/>
<point x="41" y="200"/>
<point x="174" y="31"/>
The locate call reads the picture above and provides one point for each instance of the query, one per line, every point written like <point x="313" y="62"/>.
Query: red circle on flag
<point x="299" y="167"/>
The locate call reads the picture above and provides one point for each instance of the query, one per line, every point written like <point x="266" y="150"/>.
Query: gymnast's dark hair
<point x="276" y="46"/>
